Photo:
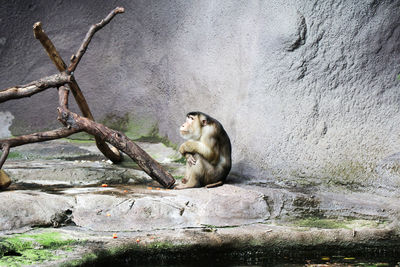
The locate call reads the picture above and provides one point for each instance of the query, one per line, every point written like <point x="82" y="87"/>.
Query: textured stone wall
<point x="304" y="88"/>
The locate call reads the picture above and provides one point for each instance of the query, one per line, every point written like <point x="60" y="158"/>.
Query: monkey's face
<point x="191" y="128"/>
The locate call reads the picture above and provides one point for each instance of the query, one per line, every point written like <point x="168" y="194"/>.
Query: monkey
<point x="207" y="151"/>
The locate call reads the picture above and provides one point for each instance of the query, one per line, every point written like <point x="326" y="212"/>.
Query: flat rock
<point x="31" y="208"/>
<point x="224" y="206"/>
<point x="68" y="163"/>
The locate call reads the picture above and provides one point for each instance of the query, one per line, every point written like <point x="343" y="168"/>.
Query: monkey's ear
<point x="204" y="122"/>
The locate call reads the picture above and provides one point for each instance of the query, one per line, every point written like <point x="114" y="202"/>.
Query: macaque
<point x="207" y="151"/>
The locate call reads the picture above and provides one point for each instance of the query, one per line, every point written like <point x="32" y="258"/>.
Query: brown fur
<point x="207" y="151"/>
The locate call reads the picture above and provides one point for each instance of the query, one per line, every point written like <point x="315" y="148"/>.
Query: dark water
<point x="334" y="261"/>
<point x="352" y="257"/>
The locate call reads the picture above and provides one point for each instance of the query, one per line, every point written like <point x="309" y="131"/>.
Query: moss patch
<point x="313" y="222"/>
<point x="181" y="160"/>
<point x="141" y="130"/>
<point x="80" y="138"/>
<point x="154" y="137"/>
<point x="15" y="155"/>
<point x="178" y="177"/>
<point x="31" y="249"/>
<point x="132" y="127"/>
<point x="351" y="174"/>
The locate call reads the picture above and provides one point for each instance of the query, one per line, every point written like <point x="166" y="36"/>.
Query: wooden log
<point x="63" y="93"/>
<point x="33" y="138"/>
<point x="34" y="87"/>
<point x="6" y="149"/>
<point x="120" y="141"/>
<point x="5" y="180"/>
<point x="110" y="152"/>
<point x="48" y="46"/>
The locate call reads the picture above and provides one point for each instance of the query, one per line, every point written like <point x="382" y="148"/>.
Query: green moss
<point x="181" y="160"/>
<point x="162" y="245"/>
<point x="129" y="163"/>
<point x="30" y="249"/>
<point x="320" y="223"/>
<point x="80" y="138"/>
<point x="15" y="155"/>
<point x="142" y="130"/>
<point x="352" y="174"/>
<point x="398" y="77"/>
<point x="133" y="128"/>
<point x="314" y="222"/>
<point x="116" y="122"/>
<point x="154" y="137"/>
<point x="178" y="177"/>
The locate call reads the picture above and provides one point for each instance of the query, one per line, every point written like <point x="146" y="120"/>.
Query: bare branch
<point x="110" y="152"/>
<point x="120" y="141"/>
<point x="6" y="144"/>
<point x="73" y="122"/>
<point x="48" y="46"/>
<point x="63" y="93"/>
<point x="38" y="137"/>
<point x="6" y="150"/>
<point x="34" y="87"/>
<point x="82" y="49"/>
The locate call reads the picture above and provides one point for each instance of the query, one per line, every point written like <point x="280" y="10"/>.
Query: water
<point x="207" y="258"/>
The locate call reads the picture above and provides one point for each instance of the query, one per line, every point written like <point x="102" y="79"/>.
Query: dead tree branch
<point x="73" y="122"/>
<point x="63" y="93"/>
<point x="120" y="141"/>
<point x="110" y="152"/>
<point x="6" y="150"/>
<point x="35" y="138"/>
<point x="48" y="46"/>
<point x="34" y="87"/>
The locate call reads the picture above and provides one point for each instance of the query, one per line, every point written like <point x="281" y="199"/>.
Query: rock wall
<point x="304" y="88"/>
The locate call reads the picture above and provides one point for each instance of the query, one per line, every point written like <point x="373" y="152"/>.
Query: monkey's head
<point x="191" y="129"/>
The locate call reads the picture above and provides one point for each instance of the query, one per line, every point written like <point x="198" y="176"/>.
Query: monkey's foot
<point x="179" y="187"/>
<point x="214" y="184"/>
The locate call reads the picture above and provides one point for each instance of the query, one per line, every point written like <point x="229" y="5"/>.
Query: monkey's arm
<point x="200" y="148"/>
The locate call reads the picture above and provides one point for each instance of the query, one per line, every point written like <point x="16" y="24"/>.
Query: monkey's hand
<point x="182" y="149"/>
<point x="189" y="147"/>
<point x="197" y="147"/>
<point x="190" y="159"/>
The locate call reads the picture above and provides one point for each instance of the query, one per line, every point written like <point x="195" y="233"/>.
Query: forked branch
<point x="35" y="138"/>
<point x="34" y="87"/>
<point x="73" y="122"/>
<point x="118" y="140"/>
<point x="110" y="152"/>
